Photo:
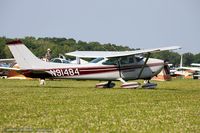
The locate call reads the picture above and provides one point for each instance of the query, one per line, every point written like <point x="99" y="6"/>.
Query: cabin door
<point x="127" y="67"/>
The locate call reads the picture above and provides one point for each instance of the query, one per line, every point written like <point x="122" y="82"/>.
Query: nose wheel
<point x="149" y="85"/>
<point x="134" y="85"/>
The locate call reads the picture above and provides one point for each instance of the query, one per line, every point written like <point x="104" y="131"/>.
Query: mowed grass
<point x="77" y="106"/>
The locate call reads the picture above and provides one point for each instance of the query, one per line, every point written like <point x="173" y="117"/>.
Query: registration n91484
<point x="64" y="72"/>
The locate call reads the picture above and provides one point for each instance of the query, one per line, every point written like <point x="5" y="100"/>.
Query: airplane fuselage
<point x="100" y="71"/>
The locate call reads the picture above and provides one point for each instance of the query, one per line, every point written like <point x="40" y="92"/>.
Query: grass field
<point x="76" y="106"/>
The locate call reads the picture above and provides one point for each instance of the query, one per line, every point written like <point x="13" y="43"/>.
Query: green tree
<point x="197" y="58"/>
<point x="188" y="58"/>
<point x="171" y="57"/>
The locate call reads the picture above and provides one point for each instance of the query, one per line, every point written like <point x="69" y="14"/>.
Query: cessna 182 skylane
<point x="108" y="66"/>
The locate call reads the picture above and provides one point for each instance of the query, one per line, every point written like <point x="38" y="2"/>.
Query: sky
<point x="134" y="23"/>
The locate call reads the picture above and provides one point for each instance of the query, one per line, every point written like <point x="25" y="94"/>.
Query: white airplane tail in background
<point x="181" y="61"/>
<point x="24" y="57"/>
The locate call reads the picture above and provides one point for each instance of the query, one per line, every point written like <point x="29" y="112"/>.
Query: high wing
<point x="110" y="54"/>
<point x="9" y="68"/>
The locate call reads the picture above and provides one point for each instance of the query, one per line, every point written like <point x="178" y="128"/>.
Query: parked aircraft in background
<point x="187" y="72"/>
<point x="109" y="66"/>
<point x="195" y="64"/>
<point x="6" y="63"/>
<point x="8" y="69"/>
<point x="195" y="71"/>
<point x="60" y="60"/>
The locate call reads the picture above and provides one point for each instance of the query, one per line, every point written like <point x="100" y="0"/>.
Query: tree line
<point x="63" y="45"/>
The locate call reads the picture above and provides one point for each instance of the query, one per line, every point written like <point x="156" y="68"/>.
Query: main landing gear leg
<point x="108" y="84"/>
<point x="131" y="85"/>
<point x="42" y="81"/>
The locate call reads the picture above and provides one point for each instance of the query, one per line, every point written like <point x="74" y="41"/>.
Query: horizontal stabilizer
<point x="7" y="60"/>
<point x="9" y="68"/>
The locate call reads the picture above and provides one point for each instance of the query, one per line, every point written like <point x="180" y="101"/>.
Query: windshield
<point x="96" y="60"/>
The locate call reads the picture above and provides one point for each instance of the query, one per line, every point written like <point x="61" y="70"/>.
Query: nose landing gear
<point x="149" y="85"/>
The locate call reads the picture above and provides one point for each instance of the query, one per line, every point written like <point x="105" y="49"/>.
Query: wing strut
<point x="119" y="67"/>
<point x="148" y="55"/>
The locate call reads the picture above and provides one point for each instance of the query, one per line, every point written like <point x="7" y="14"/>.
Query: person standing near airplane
<point x="48" y="55"/>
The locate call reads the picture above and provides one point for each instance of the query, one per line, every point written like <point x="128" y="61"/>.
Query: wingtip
<point x="15" y="42"/>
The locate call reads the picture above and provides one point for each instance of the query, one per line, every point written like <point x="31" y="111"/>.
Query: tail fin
<point x="24" y="57"/>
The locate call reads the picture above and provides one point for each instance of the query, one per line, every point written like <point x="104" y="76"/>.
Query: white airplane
<point x="108" y="66"/>
<point x="195" y="64"/>
<point x="6" y="63"/>
<point x="194" y="70"/>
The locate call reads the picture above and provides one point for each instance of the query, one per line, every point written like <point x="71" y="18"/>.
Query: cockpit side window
<point x="131" y="60"/>
<point x="111" y="61"/>
<point x="124" y="60"/>
<point x="127" y="60"/>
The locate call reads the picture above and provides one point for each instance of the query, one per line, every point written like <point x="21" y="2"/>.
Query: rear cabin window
<point x="127" y="60"/>
<point x="124" y="60"/>
<point x="96" y="60"/>
<point x="131" y="60"/>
